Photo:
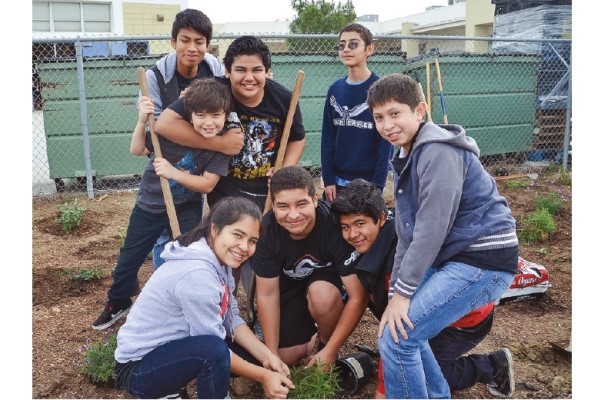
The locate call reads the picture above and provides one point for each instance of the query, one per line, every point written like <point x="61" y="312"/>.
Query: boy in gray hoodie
<point x="457" y="246"/>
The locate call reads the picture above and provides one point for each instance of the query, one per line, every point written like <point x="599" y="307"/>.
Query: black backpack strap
<point x="168" y="92"/>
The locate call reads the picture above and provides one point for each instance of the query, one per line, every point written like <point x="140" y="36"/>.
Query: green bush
<point x="84" y="274"/>
<point x="552" y="168"/>
<point x="70" y="215"/>
<point x="551" y="202"/>
<point x="99" y="361"/>
<point x="537" y="226"/>
<point x="564" y="178"/>
<point x="517" y="183"/>
<point x="314" y="382"/>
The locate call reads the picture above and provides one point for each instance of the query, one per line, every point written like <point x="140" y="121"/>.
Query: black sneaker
<point x="109" y="316"/>
<point x="503" y="373"/>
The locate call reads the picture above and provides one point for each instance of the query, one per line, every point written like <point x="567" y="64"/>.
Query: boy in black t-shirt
<point x="299" y="260"/>
<point x="262" y="106"/>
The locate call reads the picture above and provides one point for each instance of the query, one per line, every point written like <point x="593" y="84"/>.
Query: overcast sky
<point x="221" y="11"/>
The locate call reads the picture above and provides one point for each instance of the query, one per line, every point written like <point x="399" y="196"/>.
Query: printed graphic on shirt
<point x="353" y="257"/>
<point x="187" y="165"/>
<point x="258" y="154"/>
<point x="346" y="115"/>
<point x="225" y="300"/>
<point x="304" y="267"/>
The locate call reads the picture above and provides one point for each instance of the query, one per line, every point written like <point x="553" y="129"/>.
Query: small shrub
<point x="99" y="361"/>
<point x="564" y="178"/>
<point x="537" y="226"/>
<point x="551" y="202"/>
<point x="84" y="274"/>
<point x="315" y="382"/>
<point x="70" y="215"/>
<point x="552" y="168"/>
<point x="517" y="183"/>
<point x="122" y="235"/>
<point x="543" y="251"/>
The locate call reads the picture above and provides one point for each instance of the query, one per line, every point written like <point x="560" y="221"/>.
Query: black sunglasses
<point x="351" y="45"/>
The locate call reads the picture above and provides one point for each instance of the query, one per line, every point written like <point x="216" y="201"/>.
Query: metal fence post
<point x="84" y="118"/>
<point x="567" y="141"/>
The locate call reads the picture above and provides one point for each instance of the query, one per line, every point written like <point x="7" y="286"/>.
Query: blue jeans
<point x="168" y="368"/>
<point x="143" y="230"/>
<point x="158" y="248"/>
<point x="165" y="237"/>
<point x="450" y="345"/>
<point x="445" y="294"/>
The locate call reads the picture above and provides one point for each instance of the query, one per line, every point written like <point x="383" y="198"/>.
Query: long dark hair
<point x="226" y="211"/>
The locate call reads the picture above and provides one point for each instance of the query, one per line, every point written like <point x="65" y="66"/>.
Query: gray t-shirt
<point x="194" y="161"/>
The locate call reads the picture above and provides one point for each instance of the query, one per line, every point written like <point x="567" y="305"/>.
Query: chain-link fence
<point x="512" y="96"/>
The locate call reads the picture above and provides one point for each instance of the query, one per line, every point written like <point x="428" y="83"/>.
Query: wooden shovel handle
<point x="164" y="183"/>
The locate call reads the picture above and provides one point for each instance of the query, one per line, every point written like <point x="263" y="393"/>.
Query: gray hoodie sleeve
<point x="200" y="307"/>
<point x="237" y="320"/>
<point x="215" y="66"/>
<point x="154" y="92"/>
<point x="440" y="172"/>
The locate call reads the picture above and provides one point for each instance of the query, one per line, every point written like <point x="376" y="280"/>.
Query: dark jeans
<point x="143" y="230"/>
<point x="168" y="368"/>
<point x="460" y="371"/>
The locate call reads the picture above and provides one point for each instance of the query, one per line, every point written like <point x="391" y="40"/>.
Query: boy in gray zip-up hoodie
<point x="457" y="245"/>
<point x="186" y="325"/>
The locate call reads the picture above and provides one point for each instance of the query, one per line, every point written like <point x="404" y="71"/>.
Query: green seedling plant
<point x="517" y="183"/>
<point x="551" y="202"/>
<point x="70" y="215"/>
<point x="537" y="226"/>
<point x="122" y="235"/>
<point x="543" y="251"/>
<point x="315" y="382"/>
<point x="564" y="178"/>
<point x="84" y="274"/>
<point x="99" y="360"/>
<point x="552" y="168"/>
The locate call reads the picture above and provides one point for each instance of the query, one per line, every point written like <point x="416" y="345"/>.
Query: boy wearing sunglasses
<point x="351" y="148"/>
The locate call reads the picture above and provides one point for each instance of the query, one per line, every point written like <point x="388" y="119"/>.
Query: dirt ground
<point x="536" y="330"/>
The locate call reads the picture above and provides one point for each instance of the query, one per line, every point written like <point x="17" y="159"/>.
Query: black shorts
<point x="296" y="324"/>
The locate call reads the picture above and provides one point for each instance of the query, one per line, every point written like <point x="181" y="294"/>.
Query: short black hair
<point x="226" y="211"/>
<point x="395" y="87"/>
<point x="247" y="46"/>
<point x="292" y="177"/>
<point x="207" y="95"/>
<point x="192" y="19"/>
<point x="359" y="197"/>
<point x="363" y="31"/>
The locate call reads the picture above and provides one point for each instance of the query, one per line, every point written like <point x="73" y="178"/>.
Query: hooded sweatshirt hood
<point x="196" y="251"/>
<point x="168" y="65"/>
<point x="454" y="135"/>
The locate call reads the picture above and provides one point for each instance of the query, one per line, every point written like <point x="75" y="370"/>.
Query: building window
<point x="71" y="17"/>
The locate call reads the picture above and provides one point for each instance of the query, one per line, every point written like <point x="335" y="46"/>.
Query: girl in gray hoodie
<point x="185" y="323"/>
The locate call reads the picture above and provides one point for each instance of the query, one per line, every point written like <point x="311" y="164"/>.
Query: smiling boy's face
<point x="208" y="124"/>
<point x="190" y="47"/>
<point x="248" y="77"/>
<point x="360" y="230"/>
<point x="397" y="123"/>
